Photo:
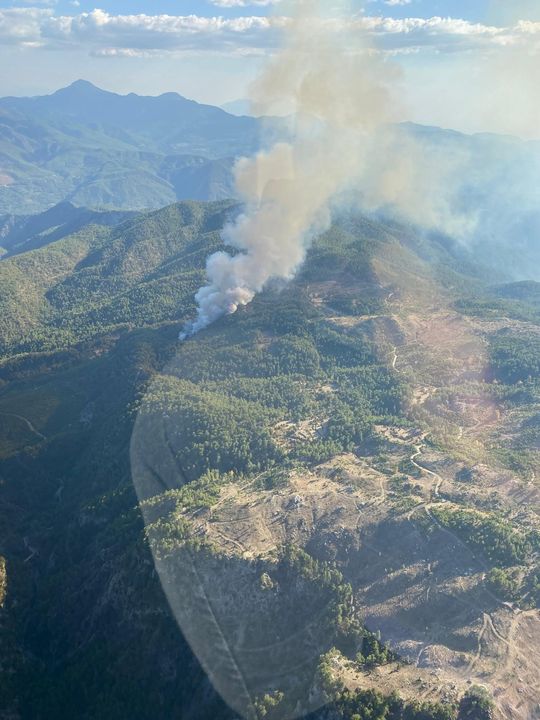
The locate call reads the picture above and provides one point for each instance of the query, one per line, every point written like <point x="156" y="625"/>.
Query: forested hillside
<point x="355" y="447"/>
<point x="106" y="275"/>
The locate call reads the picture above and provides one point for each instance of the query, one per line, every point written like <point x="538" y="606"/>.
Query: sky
<point x="464" y="64"/>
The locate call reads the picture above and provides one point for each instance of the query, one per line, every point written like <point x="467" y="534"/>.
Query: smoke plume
<point x="338" y="92"/>
<point x="342" y="94"/>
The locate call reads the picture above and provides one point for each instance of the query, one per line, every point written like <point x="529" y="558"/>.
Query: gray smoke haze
<point x="345" y="98"/>
<point x="339" y="92"/>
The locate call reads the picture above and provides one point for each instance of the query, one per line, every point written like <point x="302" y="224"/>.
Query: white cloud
<point x="99" y="29"/>
<point x="103" y="33"/>
<point x="161" y="32"/>
<point x="22" y="25"/>
<point x="442" y="34"/>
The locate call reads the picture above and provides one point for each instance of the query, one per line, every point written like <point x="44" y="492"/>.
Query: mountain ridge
<point x="104" y="150"/>
<point x="84" y="100"/>
<point x="101" y="149"/>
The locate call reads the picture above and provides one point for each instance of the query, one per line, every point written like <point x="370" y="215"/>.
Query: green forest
<point x="89" y="326"/>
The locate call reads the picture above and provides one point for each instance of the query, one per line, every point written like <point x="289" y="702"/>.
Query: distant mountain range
<point x="96" y="148"/>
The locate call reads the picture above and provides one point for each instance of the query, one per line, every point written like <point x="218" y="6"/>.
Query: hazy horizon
<point x="228" y="106"/>
<point x="465" y="66"/>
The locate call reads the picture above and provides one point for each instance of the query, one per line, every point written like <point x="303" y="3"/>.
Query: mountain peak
<point x="82" y="84"/>
<point x="80" y="87"/>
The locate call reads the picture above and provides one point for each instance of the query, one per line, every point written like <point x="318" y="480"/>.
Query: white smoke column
<point x="337" y="89"/>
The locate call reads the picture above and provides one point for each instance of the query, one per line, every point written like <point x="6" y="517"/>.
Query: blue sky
<point x="474" y="10"/>
<point x="452" y="54"/>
